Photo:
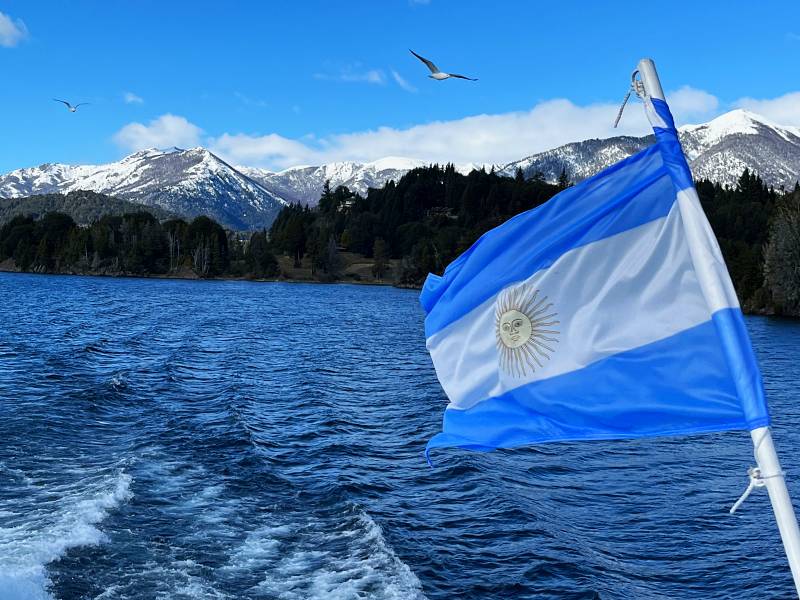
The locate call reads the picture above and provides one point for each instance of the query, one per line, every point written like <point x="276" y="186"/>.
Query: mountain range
<point x="303" y="184"/>
<point x="186" y="182"/>
<point x="195" y="181"/>
<point x="718" y="150"/>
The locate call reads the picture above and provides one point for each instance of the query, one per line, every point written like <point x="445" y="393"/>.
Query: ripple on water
<point x="169" y="439"/>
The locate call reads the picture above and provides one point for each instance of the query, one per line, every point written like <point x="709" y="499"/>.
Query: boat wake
<point x="65" y="517"/>
<point x="307" y="562"/>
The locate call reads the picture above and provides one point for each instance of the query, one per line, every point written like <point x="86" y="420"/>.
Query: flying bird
<point x="69" y="106"/>
<point x="436" y="73"/>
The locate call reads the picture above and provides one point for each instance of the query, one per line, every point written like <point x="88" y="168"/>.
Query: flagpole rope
<point x="757" y="479"/>
<point x="622" y="107"/>
<point x="636" y="86"/>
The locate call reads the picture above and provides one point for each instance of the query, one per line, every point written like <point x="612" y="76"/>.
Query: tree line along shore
<point x="393" y="235"/>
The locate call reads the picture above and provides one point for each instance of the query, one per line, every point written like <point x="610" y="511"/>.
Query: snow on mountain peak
<point x="142" y="154"/>
<point x="699" y="139"/>
<point x="187" y="182"/>
<point x="718" y="150"/>
<point x="739" y="121"/>
<point x="397" y="163"/>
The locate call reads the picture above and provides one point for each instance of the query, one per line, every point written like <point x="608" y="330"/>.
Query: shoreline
<point x="191" y="276"/>
<point x="194" y="277"/>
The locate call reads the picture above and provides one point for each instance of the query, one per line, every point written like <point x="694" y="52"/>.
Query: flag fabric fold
<point x="605" y="313"/>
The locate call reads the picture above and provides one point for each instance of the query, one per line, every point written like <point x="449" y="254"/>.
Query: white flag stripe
<point x="706" y="255"/>
<point x="611" y="296"/>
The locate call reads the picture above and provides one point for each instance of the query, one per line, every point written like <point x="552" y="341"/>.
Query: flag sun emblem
<point x="524" y="327"/>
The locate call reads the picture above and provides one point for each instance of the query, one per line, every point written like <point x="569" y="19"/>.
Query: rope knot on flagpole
<point x="637" y="86"/>
<point x="757" y="480"/>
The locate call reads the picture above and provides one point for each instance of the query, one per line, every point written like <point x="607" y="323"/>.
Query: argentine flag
<point x="605" y="313"/>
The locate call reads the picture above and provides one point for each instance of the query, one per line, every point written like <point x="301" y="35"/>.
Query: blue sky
<point x="274" y="84"/>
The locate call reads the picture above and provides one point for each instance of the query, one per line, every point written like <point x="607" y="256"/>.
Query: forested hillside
<point x="83" y="206"/>
<point x="433" y="214"/>
<point x="426" y="219"/>
<point x="404" y="230"/>
<point x="133" y="244"/>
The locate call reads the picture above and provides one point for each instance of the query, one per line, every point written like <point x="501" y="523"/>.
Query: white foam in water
<point x="355" y="562"/>
<point x="263" y="555"/>
<point x="46" y="534"/>
<point x="179" y="581"/>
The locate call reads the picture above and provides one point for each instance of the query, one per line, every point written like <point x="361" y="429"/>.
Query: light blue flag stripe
<point x="669" y="145"/>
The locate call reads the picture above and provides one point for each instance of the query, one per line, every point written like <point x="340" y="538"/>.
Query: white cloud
<point x="403" y="83"/>
<point x="690" y="104"/>
<point x="272" y="149"/>
<point x="354" y="73"/>
<point x="165" y="131"/>
<point x="131" y="98"/>
<point x="486" y="138"/>
<point x="481" y="138"/>
<point x="12" y="31"/>
<point x="372" y="76"/>
<point x="250" y="101"/>
<point x="490" y="138"/>
<point x="783" y="110"/>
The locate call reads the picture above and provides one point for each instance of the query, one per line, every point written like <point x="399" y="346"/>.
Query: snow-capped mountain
<point x="193" y="182"/>
<point x="304" y="184"/>
<point x="718" y="150"/>
<point x="186" y="182"/>
<point x="580" y="159"/>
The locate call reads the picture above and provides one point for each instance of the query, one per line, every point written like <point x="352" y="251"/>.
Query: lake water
<point x="183" y="439"/>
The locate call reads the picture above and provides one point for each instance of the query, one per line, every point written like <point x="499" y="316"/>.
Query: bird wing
<point x="82" y="104"/>
<point x="63" y="102"/>
<point x="463" y="77"/>
<point x="429" y="64"/>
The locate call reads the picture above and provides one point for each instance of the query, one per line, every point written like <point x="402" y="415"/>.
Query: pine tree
<point x="563" y="179"/>
<point x="782" y="258"/>
<point x="327" y="201"/>
<point x="329" y="260"/>
<point x="379" y="258"/>
<point x="260" y="260"/>
<point x="346" y="239"/>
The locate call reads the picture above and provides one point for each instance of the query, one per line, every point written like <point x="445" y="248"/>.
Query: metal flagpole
<point x="769" y="473"/>
<point x="771" y="476"/>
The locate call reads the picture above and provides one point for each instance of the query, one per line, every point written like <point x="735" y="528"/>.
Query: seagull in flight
<point x="69" y="106"/>
<point x="436" y="73"/>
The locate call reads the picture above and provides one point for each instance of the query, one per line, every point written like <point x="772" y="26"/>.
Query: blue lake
<point x="224" y="440"/>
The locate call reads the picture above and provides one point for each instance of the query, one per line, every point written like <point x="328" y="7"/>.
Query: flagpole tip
<point x="649" y="75"/>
